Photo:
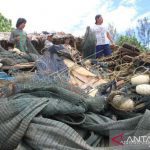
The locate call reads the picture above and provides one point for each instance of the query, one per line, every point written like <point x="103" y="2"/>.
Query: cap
<point x="50" y="34"/>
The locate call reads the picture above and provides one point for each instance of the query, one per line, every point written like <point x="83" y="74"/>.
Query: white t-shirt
<point x="101" y="34"/>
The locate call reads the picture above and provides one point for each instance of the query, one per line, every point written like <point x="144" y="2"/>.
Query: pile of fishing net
<point x="11" y="57"/>
<point x="49" y="113"/>
<point x="52" y="108"/>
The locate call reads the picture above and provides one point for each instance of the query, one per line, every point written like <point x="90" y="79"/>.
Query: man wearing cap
<point x="48" y="41"/>
<point x="103" y="38"/>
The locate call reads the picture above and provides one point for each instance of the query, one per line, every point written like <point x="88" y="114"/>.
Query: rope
<point x="146" y="70"/>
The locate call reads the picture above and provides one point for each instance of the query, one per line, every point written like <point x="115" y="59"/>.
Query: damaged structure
<point x="69" y="100"/>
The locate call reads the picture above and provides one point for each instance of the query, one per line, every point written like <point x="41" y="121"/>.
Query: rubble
<point x="68" y="88"/>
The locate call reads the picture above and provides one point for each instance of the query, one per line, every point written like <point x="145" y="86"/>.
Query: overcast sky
<point x="73" y="16"/>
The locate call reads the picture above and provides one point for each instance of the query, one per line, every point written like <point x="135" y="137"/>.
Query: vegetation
<point x="131" y="40"/>
<point x="5" y="24"/>
<point x="139" y="36"/>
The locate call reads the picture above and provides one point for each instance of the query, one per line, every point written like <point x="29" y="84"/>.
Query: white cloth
<point x="48" y="44"/>
<point x="101" y="34"/>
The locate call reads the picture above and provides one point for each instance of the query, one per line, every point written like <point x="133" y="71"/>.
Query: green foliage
<point x="130" y="40"/>
<point x="5" y="24"/>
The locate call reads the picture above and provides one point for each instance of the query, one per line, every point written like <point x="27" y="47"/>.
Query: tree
<point x="5" y="24"/>
<point x="130" y="40"/>
<point x="130" y="32"/>
<point x="144" y="31"/>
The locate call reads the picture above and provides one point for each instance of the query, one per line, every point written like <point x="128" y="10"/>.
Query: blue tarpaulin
<point x="5" y="76"/>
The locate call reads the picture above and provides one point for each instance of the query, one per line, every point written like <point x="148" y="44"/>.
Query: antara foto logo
<point x="117" y="140"/>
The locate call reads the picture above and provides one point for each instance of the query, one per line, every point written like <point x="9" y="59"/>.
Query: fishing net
<point x="8" y="58"/>
<point x="1" y="48"/>
<point x="31" y="48"/>
<point x="52" y="117"/>
<point x="43" y="110"/>
<point x="89" y="44"/>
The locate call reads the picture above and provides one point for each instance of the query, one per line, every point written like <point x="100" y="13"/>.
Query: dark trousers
<point x="103" y="50"/>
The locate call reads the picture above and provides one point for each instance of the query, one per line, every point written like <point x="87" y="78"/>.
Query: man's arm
<point x="110" y="38"/>
<point x="13" y="39"/>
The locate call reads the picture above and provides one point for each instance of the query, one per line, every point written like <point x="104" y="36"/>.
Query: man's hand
<point x="22" y="54"/>
<point x="16" y="50"/>
<point x="110" y="39"/>
<point x="18" y="38"/>
<point x="113" y="43"/>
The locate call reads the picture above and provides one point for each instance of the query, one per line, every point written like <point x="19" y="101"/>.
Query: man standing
<point x="103" y="37"/>
<point x="19" y="38"/>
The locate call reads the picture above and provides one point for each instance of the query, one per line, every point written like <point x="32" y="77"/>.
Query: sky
<point x="73" y="16"/>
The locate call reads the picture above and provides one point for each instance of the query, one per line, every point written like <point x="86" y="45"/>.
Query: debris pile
<point x="65" y="100"/>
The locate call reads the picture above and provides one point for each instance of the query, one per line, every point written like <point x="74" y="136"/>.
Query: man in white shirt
<point x="103" y="38"/>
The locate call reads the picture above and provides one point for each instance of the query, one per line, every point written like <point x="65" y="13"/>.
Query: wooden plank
<point x="19" y="66"/>
<point x="70" y="64"/>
